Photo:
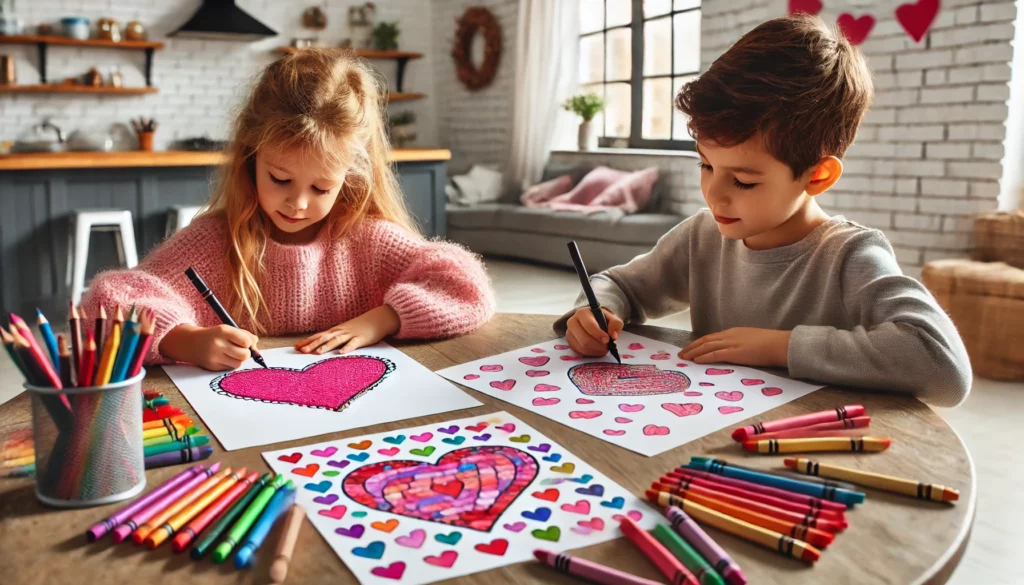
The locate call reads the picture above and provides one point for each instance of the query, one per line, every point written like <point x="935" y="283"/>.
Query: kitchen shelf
<point x="68" y="88"/>
<point x="43" y="41"/>
<point x="401" y="57"/>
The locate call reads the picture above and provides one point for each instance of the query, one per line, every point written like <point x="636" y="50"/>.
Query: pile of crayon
<point x="208" y="509"/>
<point x="838" y="429"/>
<point x="17" y="456"/>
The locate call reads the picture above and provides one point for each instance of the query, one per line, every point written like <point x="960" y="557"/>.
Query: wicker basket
<point x="999" y="237"/>
<point x="986" y="302"/>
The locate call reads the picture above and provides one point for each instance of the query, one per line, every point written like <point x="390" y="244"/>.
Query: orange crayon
<point x="176" y="522"/>
<point x="142" y="532"/>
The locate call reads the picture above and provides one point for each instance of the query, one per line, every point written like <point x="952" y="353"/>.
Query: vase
<point x="587" y="138"/>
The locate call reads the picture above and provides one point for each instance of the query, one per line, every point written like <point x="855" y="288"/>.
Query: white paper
<point x="580" y="502"/>
<point x="408" y="390"/>
<point x="711" y="398"/>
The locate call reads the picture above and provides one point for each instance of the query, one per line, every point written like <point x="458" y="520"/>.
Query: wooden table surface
<point x="891" y="539"/>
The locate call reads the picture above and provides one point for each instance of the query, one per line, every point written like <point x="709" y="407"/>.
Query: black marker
<point x="595" y="307"/>
<point x="207" y="294"/>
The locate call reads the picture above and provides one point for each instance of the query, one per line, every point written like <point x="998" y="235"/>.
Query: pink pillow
<point x="630" y="193"/>
<point x="546" y="191"/>
<point x="591" y="186"/>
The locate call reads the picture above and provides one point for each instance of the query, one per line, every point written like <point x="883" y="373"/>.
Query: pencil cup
<point x="146" y="141"/>
<point x="88" y="443"/>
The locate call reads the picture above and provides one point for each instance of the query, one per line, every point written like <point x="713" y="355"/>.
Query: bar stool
<point x="83" y="223"/>
<point x="179" y="216"/>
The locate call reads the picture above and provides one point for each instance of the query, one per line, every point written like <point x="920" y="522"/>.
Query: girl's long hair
<point x="329" y="105"/>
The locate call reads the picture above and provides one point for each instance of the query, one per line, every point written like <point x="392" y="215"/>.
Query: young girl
<point x="308" y="231"/>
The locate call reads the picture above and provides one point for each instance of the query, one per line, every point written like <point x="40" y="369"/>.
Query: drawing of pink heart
<point x="606" y="379"/>
<point x="693" y="394"/>
<point x="751" y="382"/>
<point x="587" y="414"/>
<point x="537" y="373"/>
<point x="584" y="401"/>
<point x="688" y="409"/>
<point x="324" y="452"/>
<point x="594" y="523"/>
<point x="414" y="539"/>
<point x="545" y="401"/>
<point x="545" y="388"/>
<point x="771" y="391"/>
<point x="681" y="365"/>
<point x="614" y="432"/>
<point x="471" y="376"/>
<point x="734" y="396"/>
<point x="729" y="409"/>
<point x="705" y="384"/>
<point x="627" y="356"/>
<point x="515" y="526"/>
<point x="636" y="346"/>
<point x="661" y="355"/>
<point x="581" y="530"/>
<point x="337" y="512"/>
<point x="494" y="368"/>
<point x="580" y="507"/>
<point x="633" y="515"/>
<point x="631" y="407"/>
<point x="422" y="438"/>
<point x="505" y="385"/>
<point x="561" y="347"/>
<point x="330" y="384"/>
<point x="537" y="350"/>
<point x="623" y="420"/>
<point x="390" y="452"/>
<point x="570" y="358"/>
<point x="393" y="571"/>
<point x="446" y="559"/>
<point x="717" y="372"/>
<point x="535" y="361"/>
<point x="655" y="430"/>
<point x="507" y="427"/>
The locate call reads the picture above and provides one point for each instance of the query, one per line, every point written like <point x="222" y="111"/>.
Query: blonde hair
<point x="327" y="104"/>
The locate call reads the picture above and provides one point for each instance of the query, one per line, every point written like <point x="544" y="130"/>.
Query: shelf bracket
<point x="41" y="47"/>
<point x="149" y="67"/>
<point x="402" y="61"/>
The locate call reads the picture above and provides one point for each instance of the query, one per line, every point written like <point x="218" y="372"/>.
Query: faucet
<point x="48" y="124"/>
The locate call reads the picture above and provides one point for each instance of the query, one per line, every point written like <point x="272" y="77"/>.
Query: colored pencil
<point x="276" y="507"/>
<point x="799" y="508"/>
<point x="588" y="570"/>
<point x="165" y="439"/>
<point x="64" y="356"/>
<point x="8" y="341"/>
<point x="829" y="429"/>
<point x="188" y="533"/>
<point x="186" y="442"/>
<point x="159" y="504"/>
<point x="88" y="364"/>
<point x="667" y="564"/>
<point x="855" y="444"/>
<point x="105" y="368"/>
<point x="286" y="546"/>
<point x="163" y="423"/>
<point x="782" y="424"/>
<point x="687" y="555"/>
<point x="51" y="342"/>
<point x="813" y="502"/>
<point x="100" y="329"/>
<point x="784" y="473"/>
<point x="840" y="495"/>
<point x="44" y="364"/>
<point x="245" y="521"/>
<point x="889" y="483"/>
<point x="126" y="352"/>
<point x="192" y="509"/>
<point x="99" y="529"/>
<point x="218" y="309"/>
<point x="75" y="328"/>
<point x="145" y="341"/>
<point x="178" y="457"/>
<point x="203" y="546"/>
<point x="769" y="539"/>
<point x="685" y="527"/>
<point x="146" y="529"/>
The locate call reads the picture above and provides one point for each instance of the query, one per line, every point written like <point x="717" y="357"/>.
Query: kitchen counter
<point x="90" y="160"/>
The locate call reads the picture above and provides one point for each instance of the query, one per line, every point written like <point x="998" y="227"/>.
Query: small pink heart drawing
<point x="771" y="391"/>
<point x="336" y="512"/>
<point x="655" y="430"/>
<point x="682" y="365"/>
<point x="661" y="355"/>
<point x="471" y="377"/>
<point x="389" y="452"/>
<point x="734" y="396"/>
<point x="537" y="350"/>
<point x="545" y="401"/>
<point x="414" y="539"/>
<point x="324" y="452"/>
<point x="717" y="372"/>
<point x="570" y="358"/>
<point x="561" y="347"/>
<point x="393" y="571"/>
<point x="580" y="507"/>
<point x="614" y="433"/>
<point x="636" y="346"/>
<point x="503" y="385"/>
<point x="495" y="368"/>
<point x="507" y="427"/>
<point x="446" y="559"/>
<point x="693" y="394"/>
<point x="422" y="438"/>
<point x="687" y="409"/>
<point x="729" y="409"/>
<point x="623" y="420"/>
<point x="594" y="523"/>
<point x="587" y="414"/>
<point x="751" y="382"/>
<point x="631" y="407"/>
<point x="537" y="373"/>
<point x="633" y="515"/>
<point x="515" y="526"/>
<point x="545" y="388"/>
<point x="584" y="401"/>
<point x="706" y="384"/>
<point x="581" y="530"/>
<point x="535" y="361"/>
<point x="627" y="356"/>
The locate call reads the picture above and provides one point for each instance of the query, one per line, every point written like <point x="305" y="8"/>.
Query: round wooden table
<point x="891" y="539"/>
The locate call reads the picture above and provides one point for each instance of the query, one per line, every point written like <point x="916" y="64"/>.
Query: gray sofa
<point x="511" y="230"/>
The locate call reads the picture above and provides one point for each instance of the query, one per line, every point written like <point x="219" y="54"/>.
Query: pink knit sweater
<point x="438" y="289"/>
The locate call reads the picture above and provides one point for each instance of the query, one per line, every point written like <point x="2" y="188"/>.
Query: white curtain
<point x="547" y="41"/>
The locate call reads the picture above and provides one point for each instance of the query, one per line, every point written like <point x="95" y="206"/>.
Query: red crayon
<point x="793" y="422"/>
<point x="811" y="501"/>
<point x="755" y="497"/>
<point x="161" y="412"/>
<point x="588" y="570"/>
<point x="820" y="430"/>
<point x="667" y="563"/>
<point x="191" y="530"/>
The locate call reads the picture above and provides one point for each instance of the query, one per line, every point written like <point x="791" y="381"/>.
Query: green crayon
<point x="186" y="442"/>
<point x="686" y="555"/>
<point x="200" y="549"/>
<point x="244" y="523"/>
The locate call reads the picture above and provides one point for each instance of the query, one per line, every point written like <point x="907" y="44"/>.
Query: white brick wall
<point x="200" y="81"/>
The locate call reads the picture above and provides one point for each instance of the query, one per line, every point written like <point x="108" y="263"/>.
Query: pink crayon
<point x="829" y="429"/>
<point x="793" y="422"/>
<point x="123" y="531"/>
<point x="105" y="526"/>
<point x="813" y="502"/>
<point x="578" y="567"/>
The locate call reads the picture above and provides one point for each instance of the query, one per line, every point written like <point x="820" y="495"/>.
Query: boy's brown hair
<point x="797" y="82"/>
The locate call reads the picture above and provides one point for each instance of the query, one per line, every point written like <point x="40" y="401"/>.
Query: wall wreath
<point x="477" y="20"/>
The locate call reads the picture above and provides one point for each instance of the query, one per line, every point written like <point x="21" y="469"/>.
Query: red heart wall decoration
<point x="811" y="7"/>
<point x="917" y="17"/>
<point x="855" y="29"/>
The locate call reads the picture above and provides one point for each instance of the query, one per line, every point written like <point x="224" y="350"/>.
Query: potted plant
<point x="385" y="36"/>
<point x="403" y="128"/>
<point x="586" y="106"/>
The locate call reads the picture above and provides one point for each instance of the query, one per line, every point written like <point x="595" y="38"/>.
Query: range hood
<point x="222" y="20"/>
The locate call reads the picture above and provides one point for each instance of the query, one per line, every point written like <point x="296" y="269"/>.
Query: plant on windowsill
<point x="586" y="106"/>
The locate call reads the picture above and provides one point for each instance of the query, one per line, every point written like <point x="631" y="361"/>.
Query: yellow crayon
<point x="858" y="444"/>
<point x="897" y="485"/>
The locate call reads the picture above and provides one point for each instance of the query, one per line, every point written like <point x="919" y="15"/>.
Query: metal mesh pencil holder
<point x="88" y="443"/>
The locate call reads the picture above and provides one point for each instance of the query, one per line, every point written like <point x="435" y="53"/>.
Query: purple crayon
<point x="178" y="457"/>
<point x="99" y="529"/>
<point x="124" y="530"/>
<point x="708" y="548"/>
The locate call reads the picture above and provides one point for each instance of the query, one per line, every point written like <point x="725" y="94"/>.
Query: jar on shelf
<point x="76" y="27"/>
<point x="135" y="31"/>
<point x="108" y="29"/>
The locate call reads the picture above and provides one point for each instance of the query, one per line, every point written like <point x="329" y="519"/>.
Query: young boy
<point x="771" y="278"/>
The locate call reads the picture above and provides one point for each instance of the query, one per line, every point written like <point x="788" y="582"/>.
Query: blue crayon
<point x="277" y="506"/>
<point x="848" y="497"/>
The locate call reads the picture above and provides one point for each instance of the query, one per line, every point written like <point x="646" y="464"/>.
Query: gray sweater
<point x="856" y="319"/>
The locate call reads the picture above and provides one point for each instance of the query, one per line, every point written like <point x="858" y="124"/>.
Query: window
<point x="637" y="54"/>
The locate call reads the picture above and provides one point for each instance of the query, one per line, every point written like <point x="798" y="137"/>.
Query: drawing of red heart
<point x="561" y="347"/>
<point x="917" y="18"/>
<point x="494" y="368"/>
<point x="505" y="385"/>
<point x="605" y="379"/>
<point x="548" y="495"/>
<point x="693" y="394"/>
<point x="393" y="571"/>
<point x="545" y="401"/>
<point x="631" y="407"/>
<point x="587" y="414"/>
<point x="623" y="420"/>
<point x="446" y="559"/>
<point x="307" y="471"/>
<point x="682" y="365"/>
<point x="330" y="384"/>
<point x="661" y="355"/>
<point x="537" y="350"/>
<point x="627" y="356"/>
<point x="537" y="373"/>
<point x="729" y="409"/>
<point x="535" y="361"/>
<point x="293" y="458"/>
<point x="733" y="396"/>
<point x="471" y="377"/>
<point x="497" y="547"/>
<point x="614" y="432"/>
<point x="687" y="409"/>
<point x="856" y="29"/>
<point x="771" y="391"/>
<point x="570" y="358"/>
<point x="636" y="346"/>
<point x="751" y="382"/>
<point x="706" y="384"/>
<point x="469" y="488"/>
<point x="717" y="372"/>
<point x="655" y="430"/>
<point x="584" y="401"/>
<point x="811" y="7"/>
<point x="545" y="388"/>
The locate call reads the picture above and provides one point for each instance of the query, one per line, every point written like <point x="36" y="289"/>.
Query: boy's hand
<point x="744" y="346"/>
<point x="585" y="336"/>
<point x="216" y="349"/>
<point x="366" y="329"/>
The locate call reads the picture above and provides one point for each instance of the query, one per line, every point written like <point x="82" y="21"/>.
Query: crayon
<point x="187" y="442"/>
<point x="245" y="521"/>
<point x="847" y="424"/>
<point x="51" y="342"/>
<point x="64" y="361"/>
<point x="588" y="570"/>
<point x="152" y="527"/>
<point x="145" y="341"/>
<point x="163" y="423"/>
<point x="811" y="501"/>
<point x="693" y="534"/>
<point x="855" y="444"/>
<point x="804" y="420"/>
<point x="753" y="496"/>
<point x="174" y="430"/>
<point x="191" y="510"/>
<point x="898" y="485"/>
<point x="155" y="403"/>
<point x="840" y="495"/>
<point x="22" y="471"/>
<point x="75" y="327"/>
<point x="769" y="539"/>
<point x="286" y="546"/>
<point x="187" y="534"/>
<point x="100" y="329"/>
<point x="687" y="555"/>
<point x="784" y="473"/>
<point x="126" y="352"/>
<point x="100" y="528"/>
<point x="668" y="565"/>
<point x="178" y="457"/>
<point x="87" y="366"/>
<point x="165" y="439"/>
<point x="203" y="546"/>
<point x="45" y="365"/>
<point x="161" y="412"/>
<point x="140" y="512"/>
<point x="276" y="507"/>
<point x="105" y="368"/>
<point x="18" y="461"/>
<point x="151" y="394"/>
<point x="8" y="341"/>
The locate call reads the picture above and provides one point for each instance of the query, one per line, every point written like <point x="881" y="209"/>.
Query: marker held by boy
<point x="222" y="314"/>
<point x="595" y="306"/>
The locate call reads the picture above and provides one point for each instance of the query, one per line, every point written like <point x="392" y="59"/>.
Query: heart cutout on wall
<point x="917" y="17"/>
<point x="855" y="29"/>
<point x="811" y="7"/>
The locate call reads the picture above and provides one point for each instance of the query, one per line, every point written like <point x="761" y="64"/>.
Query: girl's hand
<point x="366" y="329"/>
<point x="744" y="346"/>
<point x="217" y="348"/>
<point x="585" y="336"/>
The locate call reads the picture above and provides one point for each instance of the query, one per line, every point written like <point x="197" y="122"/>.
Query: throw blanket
<point x="602" y="189"/>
